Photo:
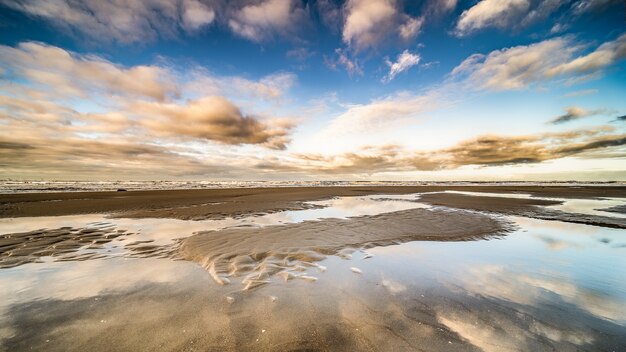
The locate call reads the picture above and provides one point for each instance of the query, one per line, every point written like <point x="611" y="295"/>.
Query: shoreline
<point x="199" y="204"/>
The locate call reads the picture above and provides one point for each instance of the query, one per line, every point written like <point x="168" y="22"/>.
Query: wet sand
<point x="620" y="209"/>
<point x="461" y="275"/>
<point x="286" y="250"/>
<point x="220" y="203"/>
<point x="533" y="208"/>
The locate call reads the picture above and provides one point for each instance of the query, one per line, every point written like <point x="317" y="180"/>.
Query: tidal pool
<point x="548" y="285"/>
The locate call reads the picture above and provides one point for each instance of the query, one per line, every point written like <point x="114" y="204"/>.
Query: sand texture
<point x="98" y="240"/>
<point x="220" y="203"/>
<point x="519" y="207"/>
<point x="284" y="251"/>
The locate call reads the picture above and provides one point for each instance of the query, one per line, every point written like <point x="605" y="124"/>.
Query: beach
<point x="424" y="268"/>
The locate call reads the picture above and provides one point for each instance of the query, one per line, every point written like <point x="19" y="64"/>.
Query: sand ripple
<point x="97" y="240"/>
<point x="288" y="251"/>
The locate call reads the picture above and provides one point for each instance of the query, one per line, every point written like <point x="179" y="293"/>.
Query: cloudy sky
<point x="313" y="90"/>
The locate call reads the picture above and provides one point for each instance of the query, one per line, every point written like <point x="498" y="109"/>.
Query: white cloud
<point x="521" y="66"/>
<point x="73" y="75"/>
<point x="411" y="28"/>
<point x="382" y="114"/>
<point x="270" y="87"/>
<point x="261" y="21"/>
<point x="405" y="61"/>
<point x="196" y="14"/>
<point x="506" y="14"/>
<point x="123" y="21"/>
<point x="488" y="13"/>
<point x="368" y="21"/>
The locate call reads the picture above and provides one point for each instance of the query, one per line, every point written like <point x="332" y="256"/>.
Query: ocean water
<point x="13" y="186"/>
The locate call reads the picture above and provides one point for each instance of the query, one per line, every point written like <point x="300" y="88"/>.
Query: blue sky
<point x="291" y="89"/>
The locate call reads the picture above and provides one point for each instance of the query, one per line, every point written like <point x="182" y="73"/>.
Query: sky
<point x="434" y="90"/>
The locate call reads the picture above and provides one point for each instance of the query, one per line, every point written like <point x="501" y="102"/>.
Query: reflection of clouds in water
<point x="556" y="244"/>
<point x="74" y="280"/>
<point x="393" y="286"/>
<point x="344" y="207"/>
<point x="496" y="331"/>
<point x="536" y="225"/>
<point x="164" y="230"/>
<point x="498" y="282"/>
<point x="67" y="281"/>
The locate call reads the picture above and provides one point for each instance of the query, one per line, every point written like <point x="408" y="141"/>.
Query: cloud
<point x="483" y="151"/>
<point x="343" y="59"/>
<point x="78" y="157"/>
<point x="73" y="75"/>
<point x="585" y="6"/>
<point x="411" y="28"/>
<point x="520" y="66"/>
<point x="45" y="82"/>
<point x="382" y="114"/>
<point x="605" y="55"/>
<point x="580" y="93"/>
<point x="437" y="8"/>
<point x="196" y="15"/>
<point x="211" y="118"/>
<point x="122" y="21"/>
<point x="330" y="12"/>
<point x="299" y="54"/>
<point x="270" y="87"/>
<point x="506" y="14"/>
<point x="263" y="20"/>
<point x="487" y="13"/>
<point x="62" y="151"/>
<point x="575" y="113"/>
<point x="405" y="61"/>
<point x="367" y="21"/>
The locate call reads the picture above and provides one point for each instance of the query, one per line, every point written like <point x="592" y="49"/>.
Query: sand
<point x="75" y="244"/>
<point x="620" y="209"/>
<point x="533" y="208"/>
<point x="220" y="203"/>
<point x="285" y="251"/>
<point x="318" y="300"/>
<point x="262" y="253"/>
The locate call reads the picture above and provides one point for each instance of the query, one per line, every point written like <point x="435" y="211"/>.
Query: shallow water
<point x="549" y="285"/>
<point x="165" y="232"/>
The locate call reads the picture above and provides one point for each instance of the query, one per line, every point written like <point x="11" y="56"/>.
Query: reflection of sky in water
<point x="545" y="265"/>
<point x="163" y="231"/>
<point x="544" y="262"/>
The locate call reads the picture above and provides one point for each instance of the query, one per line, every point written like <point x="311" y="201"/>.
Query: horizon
<point x="305" y="91"/>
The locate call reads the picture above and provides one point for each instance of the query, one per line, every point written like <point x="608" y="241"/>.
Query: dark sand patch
<point x="220" y="203"/>
<point x="73" y="244"/>
<point x="620" y="209"/>
<point x="533" y="208"/>
<point x="286" y="251"/>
